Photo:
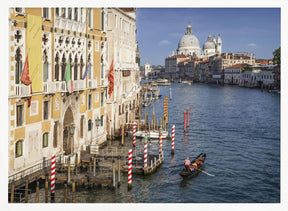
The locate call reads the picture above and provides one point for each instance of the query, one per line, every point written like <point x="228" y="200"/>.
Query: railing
<point x="79" y="85"/>
<point x="49" y="87"/>
<point x="33" y="169"/>
<point x="60" y="86"/>
<point x="92" y="83"/>
<point x="23" y="90"/>
<point x="104" y="82"/>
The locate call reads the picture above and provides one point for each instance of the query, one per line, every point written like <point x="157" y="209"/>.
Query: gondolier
<point x="187" y="164"/>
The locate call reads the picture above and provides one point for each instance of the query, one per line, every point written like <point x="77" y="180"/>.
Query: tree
<point x="277" y="56"/>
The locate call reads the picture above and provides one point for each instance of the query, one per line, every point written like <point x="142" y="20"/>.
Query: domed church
<point x="189" y="45"/>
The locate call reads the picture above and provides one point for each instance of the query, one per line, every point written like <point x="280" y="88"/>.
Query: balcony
<point x="79" y="85"/>
<point x="104" y="82"/>
<point x="49" y="87"/>
<point x="60" y="86"/>
<point x="23" y="90"/>
<point x="92" y="83"/>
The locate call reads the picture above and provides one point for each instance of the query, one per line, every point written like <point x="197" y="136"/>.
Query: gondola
<point x="194" y="172"/>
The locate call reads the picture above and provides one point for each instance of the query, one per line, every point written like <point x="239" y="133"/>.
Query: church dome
<point x="209" y="45"/>
<point x="189" y="43"/>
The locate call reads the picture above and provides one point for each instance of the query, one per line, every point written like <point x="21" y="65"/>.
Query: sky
<point x="252" y="30"/>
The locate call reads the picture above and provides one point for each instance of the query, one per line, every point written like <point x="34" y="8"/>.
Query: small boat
<point x="163" y="82"/>
<point x="194" y="172"/>
<point x="151" y="135"/>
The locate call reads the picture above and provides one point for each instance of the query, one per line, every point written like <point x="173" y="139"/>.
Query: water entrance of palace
<point x="67" y="136"/>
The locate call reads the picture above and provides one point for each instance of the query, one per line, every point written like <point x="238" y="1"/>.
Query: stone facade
<point x="56" y="122"/>
<point x="122" y="50"/>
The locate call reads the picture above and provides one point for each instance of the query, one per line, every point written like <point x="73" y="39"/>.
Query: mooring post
<point x="160" y="141"/>
<point x="119" y="166"/>
<point x="173" y="139"/>
<point x="145" y="153"/>
<point x="53" y="164"/>
<point x="114" y="173"/>
<point x="90" y="166"/>
<point x="134" y="134"/>
<point x="46" y="189"/>
<point x="37" y="192"/>
<point x="65" y="193"/>
<point x="130" y="169"/>
<point x="94" y="166"/>
<point x="122" y="135"/>
<point x="26" y="191"/>
<point x="138" y="125"/>
<point x="69" y="170"/>
<point x="12" y="193"/>
<point x="73" y="192"/>
<point x="184" y="121"/>
<point x="187" y="117"/>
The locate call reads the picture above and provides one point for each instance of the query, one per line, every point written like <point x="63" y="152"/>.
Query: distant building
<point x="147" y="69"/>
<point x="232" y="74"/>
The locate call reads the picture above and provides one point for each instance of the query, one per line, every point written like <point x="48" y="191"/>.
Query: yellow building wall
<point x="56" y="114"/>
<point x="19" y="133"/>
<point x="36" y="108"/>
<point x="46" y="126"/>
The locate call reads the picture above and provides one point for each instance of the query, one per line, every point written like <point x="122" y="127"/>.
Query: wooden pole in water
<point x="37" y="193"/>
<point x="12" y="193"/>
<point x="65" y="193"/>
<point x="119" y="166"/>
<point x="138" y="125"/>
<point x="184" y="121"/>
<point x="73" y="192"/>
<point x="160" y="142"/>
<point x="53" y="164"/>
<point x="187" y="117"/>
<point x="114" y="174"/>
<point x="134" y="134"/>
<point x="123" y="135"/>
<point x="69" y="170"/>
<point x="94" y="167"/>
<point x="46" y="190"/>
<point x="26" y="191"/>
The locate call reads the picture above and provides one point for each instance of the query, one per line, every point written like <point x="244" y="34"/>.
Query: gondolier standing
<point x="187" y="164"/>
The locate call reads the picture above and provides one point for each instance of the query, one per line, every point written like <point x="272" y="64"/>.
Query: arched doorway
<point x="67" y="135"/>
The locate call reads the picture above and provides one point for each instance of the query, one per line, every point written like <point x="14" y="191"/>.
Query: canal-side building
<point x="61" y="109"/>
<point x="258" y="76"/>
<point x="122" y="52"/>
<point x="232" y="74"/>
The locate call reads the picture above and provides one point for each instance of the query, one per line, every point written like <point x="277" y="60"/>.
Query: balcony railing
<point x="49" y="87"/>
<point x="79" y="85"/>
<point x="60" y="86"/>
<point x="23" y="90"/>
<point x="104" y="82"/>
<point x="92" y="83"/>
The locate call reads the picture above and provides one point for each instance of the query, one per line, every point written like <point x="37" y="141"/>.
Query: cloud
<point x="252" y="44"/>
<point x="164" y="42"/>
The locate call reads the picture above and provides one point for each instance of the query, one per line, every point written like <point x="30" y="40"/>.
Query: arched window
<point x="45" y="67"/>
<point x="63" y="67"/>
<point x="19" y="148"/>
<point x="57" y="67"/>
<point x="81" y="67"/>
<point x="76" y="68"/>
<point x="18" y="68"/>
<point x="45" y="140"/>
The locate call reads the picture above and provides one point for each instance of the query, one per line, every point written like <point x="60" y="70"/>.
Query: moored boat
<point x="198" y="164"/>
<point x="151" y="135"/>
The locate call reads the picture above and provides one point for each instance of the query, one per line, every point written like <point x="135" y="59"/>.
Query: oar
<point x="206" y="172"/>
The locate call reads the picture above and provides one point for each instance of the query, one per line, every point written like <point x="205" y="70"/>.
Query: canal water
<point x="239" y="130"/>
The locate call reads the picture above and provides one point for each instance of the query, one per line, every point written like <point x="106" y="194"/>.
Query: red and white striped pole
<point x="173" y="139"/>
<point x="53" y="164"/>
<point x="145" y="152"/>
<point x="134" y="134"/>
<point x="187" y="117"/>
<point x="160" y="141"/>
<point x="184" y="121"/>
<point x="130" y="169"/>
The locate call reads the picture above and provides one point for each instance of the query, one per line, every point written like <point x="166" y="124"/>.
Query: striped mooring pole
<point x="173" y="139"/>
<point x="53" y="162"/>
<point x="130" y="169"/>
<point x="145" y="152"/>
<point x="184" y="121"/>
<point x="160" y="141"/>
<point x="134" y="134"/>
<point x="187" y="117"/>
